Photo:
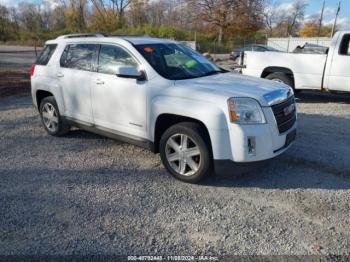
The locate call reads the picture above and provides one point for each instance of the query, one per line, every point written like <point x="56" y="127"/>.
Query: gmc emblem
<point x="289" y="109"/>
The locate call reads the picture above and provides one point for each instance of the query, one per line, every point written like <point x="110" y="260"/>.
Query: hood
<point x="232" y="85"/>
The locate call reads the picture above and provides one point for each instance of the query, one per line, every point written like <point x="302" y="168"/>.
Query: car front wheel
<point x="185" y="152"/>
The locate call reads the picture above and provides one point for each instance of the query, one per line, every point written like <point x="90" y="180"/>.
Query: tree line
<point x="210" y="20"/>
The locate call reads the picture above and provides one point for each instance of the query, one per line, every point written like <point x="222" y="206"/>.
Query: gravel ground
<point x="84" y="194"/>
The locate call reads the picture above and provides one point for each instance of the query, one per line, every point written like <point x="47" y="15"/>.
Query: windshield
<point x="175" y="61"/>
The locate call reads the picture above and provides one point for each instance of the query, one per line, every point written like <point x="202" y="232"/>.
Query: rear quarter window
<point x="46" y="54"/>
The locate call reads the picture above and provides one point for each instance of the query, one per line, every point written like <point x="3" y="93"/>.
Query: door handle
<point x="99" y="82"/>
<point x="60" y="74"/>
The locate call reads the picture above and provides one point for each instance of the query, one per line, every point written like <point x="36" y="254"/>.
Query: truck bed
<point x="307" y="68"/>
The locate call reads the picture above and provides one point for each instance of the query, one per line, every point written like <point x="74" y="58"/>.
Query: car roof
<point x="251" y="45"/>
<point x="258" y="45"/>
<point x="146" y="40"/>
<point x="135" y="40"/>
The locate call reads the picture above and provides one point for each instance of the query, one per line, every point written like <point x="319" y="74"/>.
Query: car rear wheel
<point x="281" y="78"/>
<point x="51" y="118"/>
<point x="185" y="153"/>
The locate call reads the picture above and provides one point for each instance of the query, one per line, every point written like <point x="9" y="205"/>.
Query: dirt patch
<point x="14" y="81"/>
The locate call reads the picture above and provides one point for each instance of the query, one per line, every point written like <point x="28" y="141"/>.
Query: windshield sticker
<point x="148" y="49"/>
<point x="191" y="63"/>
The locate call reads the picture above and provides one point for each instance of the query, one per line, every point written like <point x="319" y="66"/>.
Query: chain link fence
<point x="229" y="45"/>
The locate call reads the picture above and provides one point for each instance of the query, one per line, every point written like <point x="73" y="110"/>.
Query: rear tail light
<point x="32" y="70"/>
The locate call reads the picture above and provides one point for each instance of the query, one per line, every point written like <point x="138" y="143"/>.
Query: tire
<point x="281" y="77"/>
<point x="190" y="165"/>
<point x="51" y="118"/>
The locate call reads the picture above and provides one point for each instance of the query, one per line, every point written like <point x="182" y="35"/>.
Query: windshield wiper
<point x="210" y="73"/>
<point x="185" y="77"/>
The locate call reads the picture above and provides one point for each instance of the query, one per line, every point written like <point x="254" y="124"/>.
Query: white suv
<point x="161" y="95"/>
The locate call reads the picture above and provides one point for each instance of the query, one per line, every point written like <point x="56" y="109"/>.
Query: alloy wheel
<point x="50" y="117"/>
<point x="183" y="154"/>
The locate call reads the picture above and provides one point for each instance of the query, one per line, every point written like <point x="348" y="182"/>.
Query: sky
<point x="314" y="8"/>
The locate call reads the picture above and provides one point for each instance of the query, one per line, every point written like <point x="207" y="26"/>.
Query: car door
<point x="118" y="103"/>
<point x="339" y="73"/>
<point x="76" y="64"/>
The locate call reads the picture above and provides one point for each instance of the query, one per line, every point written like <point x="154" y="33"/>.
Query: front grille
<point x="285" y="120"/>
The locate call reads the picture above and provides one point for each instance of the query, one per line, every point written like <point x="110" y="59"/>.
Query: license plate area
<point x="290" y="137"/>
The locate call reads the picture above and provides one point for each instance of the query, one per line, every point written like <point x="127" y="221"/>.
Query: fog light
<point x="251" y="145"/>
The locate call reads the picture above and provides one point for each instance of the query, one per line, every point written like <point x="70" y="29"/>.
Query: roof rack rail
<point x="82" y="35"/>
<point x="125" y="35"/>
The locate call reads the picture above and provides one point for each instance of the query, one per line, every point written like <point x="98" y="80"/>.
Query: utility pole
<point x="335" y="20"/>
<point x="321" y="18"/>
<point x="180" y="12"/>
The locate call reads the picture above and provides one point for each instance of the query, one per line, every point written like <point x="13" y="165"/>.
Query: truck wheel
<point x="282" y="78"/>
<point x="185" y="152"/>
<point x="51" y="118"/>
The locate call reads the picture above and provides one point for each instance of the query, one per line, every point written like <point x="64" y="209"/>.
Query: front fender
<point x="211" y="115"/>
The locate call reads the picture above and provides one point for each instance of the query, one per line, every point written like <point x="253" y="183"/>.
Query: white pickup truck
<point x="329" y="71"/>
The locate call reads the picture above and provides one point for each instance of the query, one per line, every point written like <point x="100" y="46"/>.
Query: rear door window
<point x="46" y="54"/>
<point x="344" y="48"/>
<point x="79" y="56"/>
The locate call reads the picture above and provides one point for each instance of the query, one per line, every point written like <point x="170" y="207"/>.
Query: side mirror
<point x="131" y="72"/>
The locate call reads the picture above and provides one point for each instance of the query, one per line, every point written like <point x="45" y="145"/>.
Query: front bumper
<point x="228" y="166"/>
<point x="265" y="139"/>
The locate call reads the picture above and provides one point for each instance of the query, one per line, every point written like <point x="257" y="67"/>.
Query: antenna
<point x="321" y="18"/>
<point x="335" y="20"/>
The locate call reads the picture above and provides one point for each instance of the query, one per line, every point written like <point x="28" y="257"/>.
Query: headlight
<point x="245" y="111"/>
